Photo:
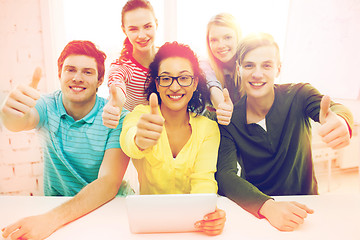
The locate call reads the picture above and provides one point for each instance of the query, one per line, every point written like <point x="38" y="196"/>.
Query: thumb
<point x="227" y="98"/>
<point x="324" y="108"/>
<point x="153" y="101"/>
<point x="114" y="97"/>
<point x="36" y="78"/>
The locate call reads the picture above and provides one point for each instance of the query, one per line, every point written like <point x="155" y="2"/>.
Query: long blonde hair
<point x="226" y="20"/>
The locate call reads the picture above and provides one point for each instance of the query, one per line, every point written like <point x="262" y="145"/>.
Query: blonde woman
<point x="222" y="38"/>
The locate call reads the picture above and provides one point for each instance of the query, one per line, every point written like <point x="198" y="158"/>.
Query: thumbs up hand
<point x="112" y="109"/>
<point x="22" y="99"/>
<point x="225" y="109"/>
<point x="150" y="125"/>
<point x="334" y="129"/>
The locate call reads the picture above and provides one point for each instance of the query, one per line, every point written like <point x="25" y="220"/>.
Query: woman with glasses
<point x="173" y="148"/>
<point x="222" y="38"/>
<point x="127" y="75"/>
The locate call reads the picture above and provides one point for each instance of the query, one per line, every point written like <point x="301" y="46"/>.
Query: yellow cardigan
<point x="193" y="169"/>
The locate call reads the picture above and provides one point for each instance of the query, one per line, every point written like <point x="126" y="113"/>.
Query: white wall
<point x="323" y="46"/>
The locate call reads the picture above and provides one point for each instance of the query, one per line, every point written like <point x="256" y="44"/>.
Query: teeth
<point x="223" y="52"/>
<point x="175" y="97"/>
<point x="257" y="84"/>
<point x="77" y="88"/>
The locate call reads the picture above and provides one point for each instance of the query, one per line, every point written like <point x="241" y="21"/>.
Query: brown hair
<point x="130" y="5"/>
<point x="86" y="48"/>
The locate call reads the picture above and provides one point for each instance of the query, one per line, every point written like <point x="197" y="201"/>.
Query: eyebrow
<point x="184" y="71"/>
<point x="86" y="68"/>
<point x="149" y="23"/>
<point x="267" y="61"/>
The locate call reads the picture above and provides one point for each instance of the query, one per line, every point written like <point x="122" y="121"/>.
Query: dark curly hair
<point x="201" y="96"/>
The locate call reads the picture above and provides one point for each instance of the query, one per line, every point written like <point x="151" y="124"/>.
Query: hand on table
<point x="35" y="228"/>
<point x="334" y="129"/>
<point x="150" y="125"/>
<point x="285" y="216"/>
<point x="213" y="223"/>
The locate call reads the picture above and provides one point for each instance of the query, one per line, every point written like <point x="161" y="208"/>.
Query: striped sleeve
<point x="119" y="75"/>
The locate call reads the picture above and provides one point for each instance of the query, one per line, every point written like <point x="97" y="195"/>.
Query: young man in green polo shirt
<point x="270" y="137"/>
<point x="82" y="157"/>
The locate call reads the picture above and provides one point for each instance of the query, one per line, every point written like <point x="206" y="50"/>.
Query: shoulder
<point x="124" y="64"/>
<point x="296" y="90"/>
<point x="294" y="87"/>
<point x="141" y="108"/>
<point x="50" y="100"/>
<point x="101" y="102"/>
<point x="204" y="124"/>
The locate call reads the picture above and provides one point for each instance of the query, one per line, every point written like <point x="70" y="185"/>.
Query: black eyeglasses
<point x="183" y="80"/>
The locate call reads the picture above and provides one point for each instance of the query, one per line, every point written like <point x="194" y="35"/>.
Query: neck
<point x="78" y="110"/>
<point x="257" y="108"/>
<point x="144" y="58"/>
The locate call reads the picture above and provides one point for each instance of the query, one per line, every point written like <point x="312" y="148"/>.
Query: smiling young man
<point x="270" y="137"/>
<point x="82" y="157"/>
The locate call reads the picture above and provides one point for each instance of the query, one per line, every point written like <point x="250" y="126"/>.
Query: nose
<point x="257" y="74"/>
<point x="175" y="86"/>
<point x="141" y="34"/>
<point x="77" y="77"/>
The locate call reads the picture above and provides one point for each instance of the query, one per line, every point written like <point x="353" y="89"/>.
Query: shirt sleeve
<point x="42" y="111"/>
<point x="230" y="183"/>
<point x="211" y="79"/>
<point x="114" y="134"/>
<point x="202" y="178"/>
<point x="117" y="75"/>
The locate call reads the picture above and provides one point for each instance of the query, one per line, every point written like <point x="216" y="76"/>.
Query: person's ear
<point x="100" y="81"/>
<point x="157" y="85"/>
<point x="278" y="70"/>
<point x="238" y="68"/>
<point x="123" y="29"/>
<point x="196" y="82"/>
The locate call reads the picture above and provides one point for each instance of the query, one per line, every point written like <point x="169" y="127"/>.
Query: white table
<point x="335" y="217"/>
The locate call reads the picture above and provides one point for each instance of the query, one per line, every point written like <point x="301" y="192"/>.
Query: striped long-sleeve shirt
<point x="130" y="76"/>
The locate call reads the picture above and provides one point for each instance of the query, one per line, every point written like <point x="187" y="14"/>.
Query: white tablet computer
<point x="168" y="212"/>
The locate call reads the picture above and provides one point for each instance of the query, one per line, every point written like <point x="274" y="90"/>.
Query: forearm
<point x="88" y="199"/>
<point x="17" y="124"/>
<point x="241" y="192"/>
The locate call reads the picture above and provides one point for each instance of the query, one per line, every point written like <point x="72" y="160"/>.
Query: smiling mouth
<point x="143" y="43"/>
<point x="175" y="97"/>
<point x="223" y="52"/>
<point x="257" y="84"/>
<point x="77" y="89"/>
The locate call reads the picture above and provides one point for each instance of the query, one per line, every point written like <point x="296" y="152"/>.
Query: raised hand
<point x="285" y="216"/>
<point x="112" y="109"/>
<point x="150" y="125"/>
<point x="225" y="109"/>
<point x="22" y="99"/>
<point x="334" y="129"/>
